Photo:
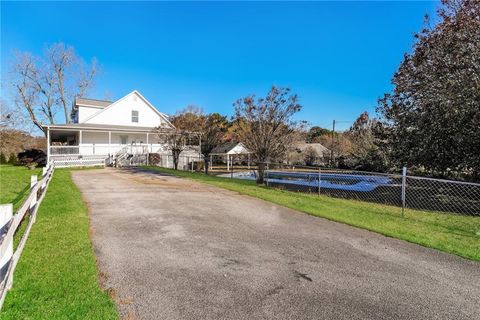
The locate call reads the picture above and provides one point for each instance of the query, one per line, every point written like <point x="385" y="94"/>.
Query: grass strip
<point x="56" y="277"/>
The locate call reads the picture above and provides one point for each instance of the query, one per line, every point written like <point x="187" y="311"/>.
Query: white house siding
<point x="130" y="137"/>
<point x="85" y="112"/>
<point x="120" y="113"/>
<point x="91" y="137"/>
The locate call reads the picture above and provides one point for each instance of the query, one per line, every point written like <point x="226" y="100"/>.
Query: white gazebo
<point x="229" y="150"/>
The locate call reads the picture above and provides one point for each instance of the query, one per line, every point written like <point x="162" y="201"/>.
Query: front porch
<point x="71" y="144"/>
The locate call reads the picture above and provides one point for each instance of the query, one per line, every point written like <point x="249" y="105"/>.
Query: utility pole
<point x="332" y="156"/>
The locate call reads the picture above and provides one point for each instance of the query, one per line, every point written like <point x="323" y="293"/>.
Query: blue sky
<point x="338" y="57"/>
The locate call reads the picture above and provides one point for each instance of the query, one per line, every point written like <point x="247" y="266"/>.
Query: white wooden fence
<point x="9" y="224"/>
<point x="79" y="162"/>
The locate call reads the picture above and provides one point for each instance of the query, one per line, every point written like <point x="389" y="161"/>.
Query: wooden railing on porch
<point x="103" y="149"/>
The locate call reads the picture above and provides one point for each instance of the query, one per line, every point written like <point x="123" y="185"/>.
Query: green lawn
<point x="455" y="234"/>
<point x="56" y="277"/>
<point x="15" y="184"/>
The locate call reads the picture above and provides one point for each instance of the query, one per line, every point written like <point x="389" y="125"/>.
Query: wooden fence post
<point x="6" y="215"/>
<point x="33" y="181"/>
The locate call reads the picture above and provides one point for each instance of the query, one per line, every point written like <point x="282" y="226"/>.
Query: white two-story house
<point x="101" y="130"/>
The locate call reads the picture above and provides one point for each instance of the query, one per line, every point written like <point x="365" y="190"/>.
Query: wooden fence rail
<point x="9" y="224"/>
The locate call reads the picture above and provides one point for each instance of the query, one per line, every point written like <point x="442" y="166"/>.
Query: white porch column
<point x="228" y="162"/>
<point x="109" y="141"/>
<point x="48" y="145"/>
<point x="80" y="138"/>
<point x="148" y="150"/>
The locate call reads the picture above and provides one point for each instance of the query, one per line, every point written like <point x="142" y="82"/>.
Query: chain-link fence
<point x="402" y="191"/>
<point x="398" y="190"/>
<point x="442" y="195"/>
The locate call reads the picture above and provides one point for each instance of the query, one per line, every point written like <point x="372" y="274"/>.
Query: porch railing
<point x="103" y="149"/>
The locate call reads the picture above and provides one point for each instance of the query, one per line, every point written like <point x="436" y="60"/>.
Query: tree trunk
<point x="175" y="155"/>
<point x="207" y="163"/>
<point x="261" y="173"/>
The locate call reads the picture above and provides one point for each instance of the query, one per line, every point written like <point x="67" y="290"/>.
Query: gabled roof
<point x="162" y="115"/>
<point x="227" y="147"/>
<point x="318" y="147"/>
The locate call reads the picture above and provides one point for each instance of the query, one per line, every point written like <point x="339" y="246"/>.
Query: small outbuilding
<point x="230" y="151"/>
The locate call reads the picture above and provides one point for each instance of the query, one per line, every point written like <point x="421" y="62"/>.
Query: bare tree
<point x="43" y="85"/>
<point x="265" y="125"/>
<point x="10" y="118"/>
<point x="26" y="91"/>
<point x="310" y="156"/>
<point x="175" y="141"/>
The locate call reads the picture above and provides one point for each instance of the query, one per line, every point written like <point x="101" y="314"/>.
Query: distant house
<point x="300" y="149"/>
<point x="104" y="130"/>
<point x="230" y="152"/>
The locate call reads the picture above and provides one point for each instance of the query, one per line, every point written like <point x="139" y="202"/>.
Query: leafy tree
<point x="211" y="129"/>
<point x="265" y="125"/>
<point x="431" y="120"/>
<point x="188" y="123"/>
<point x="213" y="133"/>
<point x="315" y="134"/>
<point x="364" y="152"/>
<point x="189" y="119"/>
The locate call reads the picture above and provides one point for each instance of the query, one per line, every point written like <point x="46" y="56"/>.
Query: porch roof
<point x="98" y="127"/>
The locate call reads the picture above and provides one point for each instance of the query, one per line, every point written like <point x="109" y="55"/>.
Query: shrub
<point x="32" y="155"/>
<point x="13" y="159"/>
<point x="3" y="160"/>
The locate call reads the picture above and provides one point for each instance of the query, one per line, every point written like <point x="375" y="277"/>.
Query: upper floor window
<point x="134" y="116"/>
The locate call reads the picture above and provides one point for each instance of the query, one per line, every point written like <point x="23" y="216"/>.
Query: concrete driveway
<point x="170" y="248"/>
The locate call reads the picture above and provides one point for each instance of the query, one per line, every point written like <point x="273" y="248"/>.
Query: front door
<point x="123" y="139"/>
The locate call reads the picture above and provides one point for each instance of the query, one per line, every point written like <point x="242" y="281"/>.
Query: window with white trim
<point x="135" y="116"/>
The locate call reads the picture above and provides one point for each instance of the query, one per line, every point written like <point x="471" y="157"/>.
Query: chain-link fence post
<point x="265" y="174"/>
<point x="404" y="186"/>
<point x="319" y="181"/>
